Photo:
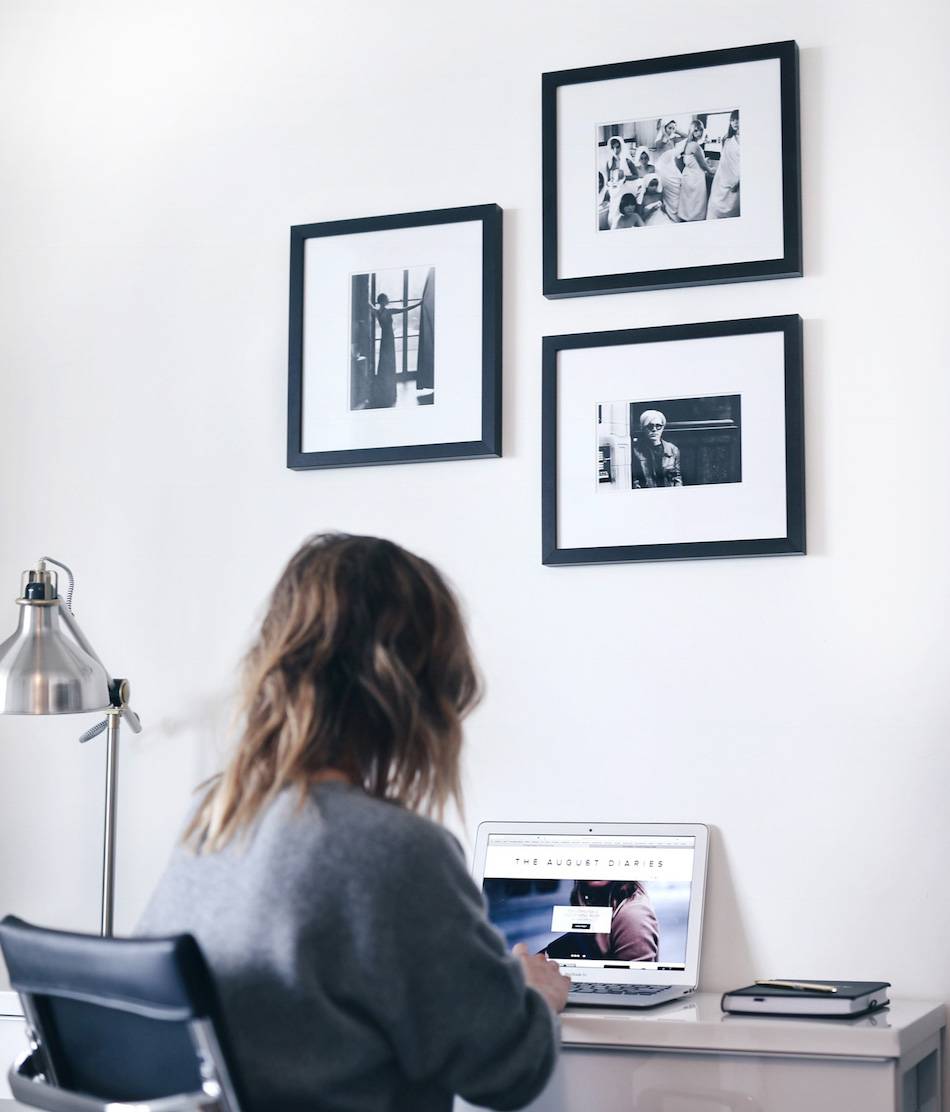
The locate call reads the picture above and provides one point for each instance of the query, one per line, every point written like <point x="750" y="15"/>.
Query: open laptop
<point x="619" y="906"/>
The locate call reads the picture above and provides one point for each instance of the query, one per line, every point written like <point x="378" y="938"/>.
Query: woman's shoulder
<point x="347" y="837"/>
<point x="635" y="911"/>
<point x="347" y="811"/>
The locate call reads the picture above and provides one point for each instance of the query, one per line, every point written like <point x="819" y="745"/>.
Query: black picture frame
<point x="490" y="442"/>
<point x="792" y="543"/>
<point x="790" y="263"/>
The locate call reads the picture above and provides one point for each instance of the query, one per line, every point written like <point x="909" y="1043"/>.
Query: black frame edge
<point x="791" y="263"/>
<point x="490" y="445"/>
<point x="792" y="328"/>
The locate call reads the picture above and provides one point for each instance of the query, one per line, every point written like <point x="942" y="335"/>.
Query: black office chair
<point x="117" y="1023"/>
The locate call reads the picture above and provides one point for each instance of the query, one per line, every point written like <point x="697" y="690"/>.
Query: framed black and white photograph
<point x="679" y="171"/>
<point x="673" y="443"/>
<point x="395" y="339"/>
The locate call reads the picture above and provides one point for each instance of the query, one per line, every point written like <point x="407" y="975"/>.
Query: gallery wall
<point x="153" y="157"/>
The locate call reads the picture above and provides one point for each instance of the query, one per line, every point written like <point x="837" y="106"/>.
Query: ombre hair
<point x="363" y="667"/>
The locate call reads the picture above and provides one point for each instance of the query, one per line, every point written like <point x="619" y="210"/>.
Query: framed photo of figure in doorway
<point x="395" y="339"/>
<point x="673" y="443"/>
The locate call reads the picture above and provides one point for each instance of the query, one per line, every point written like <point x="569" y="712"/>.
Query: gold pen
<point x="802" y="986"/>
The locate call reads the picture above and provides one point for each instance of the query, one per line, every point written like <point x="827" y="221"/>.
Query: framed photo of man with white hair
<point x="674" y="443"/>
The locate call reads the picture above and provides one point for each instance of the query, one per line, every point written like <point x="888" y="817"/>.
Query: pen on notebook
<point x="802" y="986"/>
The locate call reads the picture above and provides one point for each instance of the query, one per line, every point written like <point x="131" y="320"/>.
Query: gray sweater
<point x="356" y="968"/>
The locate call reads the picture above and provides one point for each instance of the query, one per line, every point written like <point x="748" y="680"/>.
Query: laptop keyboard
<point x="613" y="989"/>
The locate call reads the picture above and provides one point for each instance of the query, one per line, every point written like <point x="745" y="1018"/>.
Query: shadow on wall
<point x="726" y="950"/>
<point x="186" y="747"/>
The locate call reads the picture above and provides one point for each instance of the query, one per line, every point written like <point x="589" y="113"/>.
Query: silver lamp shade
<point x="42" y="670"/>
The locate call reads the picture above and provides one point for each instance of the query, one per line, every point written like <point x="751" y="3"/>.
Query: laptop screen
<point x="617" y="902"/>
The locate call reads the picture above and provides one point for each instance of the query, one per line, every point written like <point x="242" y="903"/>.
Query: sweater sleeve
<point x="452" y="1001"/>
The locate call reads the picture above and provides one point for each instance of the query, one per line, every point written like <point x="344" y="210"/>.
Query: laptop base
<point x="600" y="995"/>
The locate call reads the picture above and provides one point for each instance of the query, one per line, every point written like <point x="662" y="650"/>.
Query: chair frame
<point x="32" y="1077"/>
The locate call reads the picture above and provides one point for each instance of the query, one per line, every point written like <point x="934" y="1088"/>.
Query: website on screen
<point x="604" y="901"/>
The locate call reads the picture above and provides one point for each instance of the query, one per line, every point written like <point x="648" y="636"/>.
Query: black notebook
<point x="849" y="998"/>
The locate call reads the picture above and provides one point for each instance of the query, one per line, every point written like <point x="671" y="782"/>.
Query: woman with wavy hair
<point x="354" y="961"/>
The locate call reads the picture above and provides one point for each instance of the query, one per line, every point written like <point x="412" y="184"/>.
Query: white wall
<point x="152" y="157"/>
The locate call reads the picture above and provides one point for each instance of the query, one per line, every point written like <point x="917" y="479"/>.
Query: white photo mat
<point x="752" y="87"/>
<point x="751" y="365"/>
<point x="454" y="250"/>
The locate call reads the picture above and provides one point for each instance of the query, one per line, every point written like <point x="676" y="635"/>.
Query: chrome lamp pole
<point x="42" y="671"/>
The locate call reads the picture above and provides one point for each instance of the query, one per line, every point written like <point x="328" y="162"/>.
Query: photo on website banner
<point x="675" y="169"/>
<point x="598" y="920"/>
<point x="671" y="442"/>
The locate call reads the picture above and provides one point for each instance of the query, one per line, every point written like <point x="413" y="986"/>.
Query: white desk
<point x="690" y="1057"/>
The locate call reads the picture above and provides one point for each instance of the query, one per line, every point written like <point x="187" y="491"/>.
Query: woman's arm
<point x="454" y="1005"/>
<point x="662" y="137"/>
<point x="544" y="976"/>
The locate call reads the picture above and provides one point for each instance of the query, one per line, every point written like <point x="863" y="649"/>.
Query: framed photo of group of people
<point x="678" y="171"/>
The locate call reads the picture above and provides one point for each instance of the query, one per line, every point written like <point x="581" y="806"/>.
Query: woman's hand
<point x="544" y="976"/>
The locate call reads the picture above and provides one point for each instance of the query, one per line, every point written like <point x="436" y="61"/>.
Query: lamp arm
<point x="94" y="731"/>
<point x="131" y="719"/>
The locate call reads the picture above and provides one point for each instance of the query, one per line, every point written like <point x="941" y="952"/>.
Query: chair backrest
<point x="117" y="1020"/>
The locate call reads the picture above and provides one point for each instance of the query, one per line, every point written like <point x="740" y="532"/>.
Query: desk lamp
<point x="42" y="671"/>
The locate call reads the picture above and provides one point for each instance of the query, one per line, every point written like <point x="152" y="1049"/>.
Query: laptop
<point x="619" y="906"/>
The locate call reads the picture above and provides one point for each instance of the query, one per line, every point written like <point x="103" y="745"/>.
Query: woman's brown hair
<point x="362" y="666"/>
